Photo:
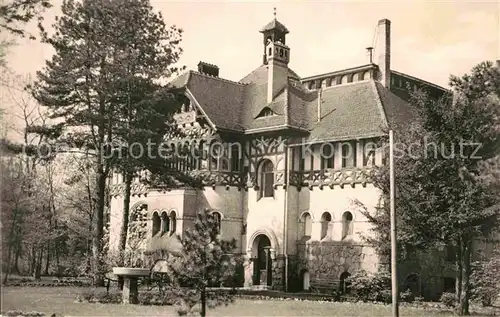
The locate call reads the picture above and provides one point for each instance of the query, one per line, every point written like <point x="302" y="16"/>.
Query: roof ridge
<point x="218" y="78"/>
<point x="419" y="79"/>
<point x="359" y="82"/>
<point x="336" y="72"/>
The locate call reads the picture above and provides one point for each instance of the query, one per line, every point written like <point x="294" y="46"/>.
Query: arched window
<point x="347" y="224"/>
<point x="173" y="222"/>
<point x="344" y="79"/>
<point x="267" y="179"/>
<point x="344" y="283"/>
<point x="326" y="219"/>
<point x="218" y="221"/>
<point x="366" y="75"/>
<point x="307" y="222"/>
<point x="164" y="222"/>
<point x="156" y="223"/>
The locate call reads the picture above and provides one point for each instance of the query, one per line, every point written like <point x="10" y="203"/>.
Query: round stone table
<point x="130" y="277"/>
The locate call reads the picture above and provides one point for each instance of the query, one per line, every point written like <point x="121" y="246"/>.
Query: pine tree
<point x="206" y="261"/>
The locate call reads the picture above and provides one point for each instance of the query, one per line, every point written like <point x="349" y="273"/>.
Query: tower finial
<point x="274" y="13"/>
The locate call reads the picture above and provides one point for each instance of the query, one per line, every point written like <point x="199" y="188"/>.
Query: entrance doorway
<point x="262" y="265"/>
<point x="304" y="275"/>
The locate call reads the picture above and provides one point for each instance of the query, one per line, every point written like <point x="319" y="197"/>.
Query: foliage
<point x="485" y="283"/>
<point x="17" y="12"/>
<point x="366" y="286"/>
<point x="444" y="185"/>
<point x="449" y="300"/>
<point x="97" y="81"/>
<point x="206" y="261"/>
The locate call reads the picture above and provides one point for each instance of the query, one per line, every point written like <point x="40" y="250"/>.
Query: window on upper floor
<point x="349" y="154"/>
<point x="266" y="112"/>
<point x="327" y="151"/>
<point x="156" y="223"/>
<point x="266" y="178"/>
<point x="218" y="158"/>
<point x="165" y="223"/>
<point x="173" y="222"/>
<point x="236" y="152"/>
<point x="217" y="221"/>
<point x="306" y="221"/>
<point x="369" y="151"/>
<point x="347" y="224"/>
<point x="326" y="220"/>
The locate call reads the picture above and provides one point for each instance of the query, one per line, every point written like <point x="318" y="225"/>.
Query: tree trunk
<point x="458" y="266"/>
<point x="97" y="250"/>
<point x="47" y="260"/>
<point x="126" y="212"/>
<point x="463" y="307"/>
<point x="203" y="312"/>
<point x="16" y="258"/>
<point x="38" y="264"/>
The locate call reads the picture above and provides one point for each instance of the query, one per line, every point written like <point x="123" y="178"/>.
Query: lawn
<point x="61" y="300"/>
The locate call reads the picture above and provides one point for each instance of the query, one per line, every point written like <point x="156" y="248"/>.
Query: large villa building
<point x="285" y="162"/>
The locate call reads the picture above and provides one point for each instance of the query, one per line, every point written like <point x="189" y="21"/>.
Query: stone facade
<point x="326" y="261"/>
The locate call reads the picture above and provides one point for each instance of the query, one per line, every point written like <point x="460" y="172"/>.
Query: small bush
<point x="95" y="296"/>
<point x="370" y="287"/>
<point x="448" y="299"/>
<point x="406" y="296"/>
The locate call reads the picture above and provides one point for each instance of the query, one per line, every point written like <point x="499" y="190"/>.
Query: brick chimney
<point x="383" y="48"/>
<point x="278" y="55"/>
<point x="208" y="69"/>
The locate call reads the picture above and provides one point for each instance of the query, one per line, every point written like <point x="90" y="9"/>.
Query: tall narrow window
<point x="173" y="222"/>
<point x="235" y="157"/>
<point x="307" y="222"/>
<point x="165" y="223"/>
<point x="267" y="179"/>
<point x="348" y="154"/>
<point x="369" y="154"/>
<point x="327" y="151"/>
<point x="217" y="221"/>
<point x="326" y="219"/>
<point x="156" y="223"/>
<point x="346" y="224"/>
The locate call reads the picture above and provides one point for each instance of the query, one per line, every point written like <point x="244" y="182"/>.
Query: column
<point x="130" y="293"/>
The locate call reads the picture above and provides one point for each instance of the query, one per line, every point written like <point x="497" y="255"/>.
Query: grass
<point x="61" y="300"/>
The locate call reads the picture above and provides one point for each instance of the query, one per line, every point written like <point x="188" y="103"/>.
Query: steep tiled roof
<point x="347" y="111"/>
<point x="274" y="24"/>
<point x="355" y="110"/>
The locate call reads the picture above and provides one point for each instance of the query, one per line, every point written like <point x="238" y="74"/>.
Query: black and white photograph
<point x="250" y="158"/>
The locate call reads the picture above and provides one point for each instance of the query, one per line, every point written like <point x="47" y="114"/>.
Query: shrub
<point x="485" y="285"/>
<point x="370" y="287"/>
<point x="448" y="299"/>
<point x="95" y="296"/>
<point x="406" y="296"/>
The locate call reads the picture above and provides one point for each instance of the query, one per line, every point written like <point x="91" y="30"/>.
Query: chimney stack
<point x="384" y="51"/>
<point x="208" y="69"/>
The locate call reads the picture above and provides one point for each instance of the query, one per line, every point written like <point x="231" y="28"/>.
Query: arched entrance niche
<point x="305" y="279"/>
<point x="262" y="254"/>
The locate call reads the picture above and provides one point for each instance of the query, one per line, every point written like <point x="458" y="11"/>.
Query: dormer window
<point x="266" y="112"/>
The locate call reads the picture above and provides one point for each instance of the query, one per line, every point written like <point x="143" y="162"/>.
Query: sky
<point x="430" y="39"/>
